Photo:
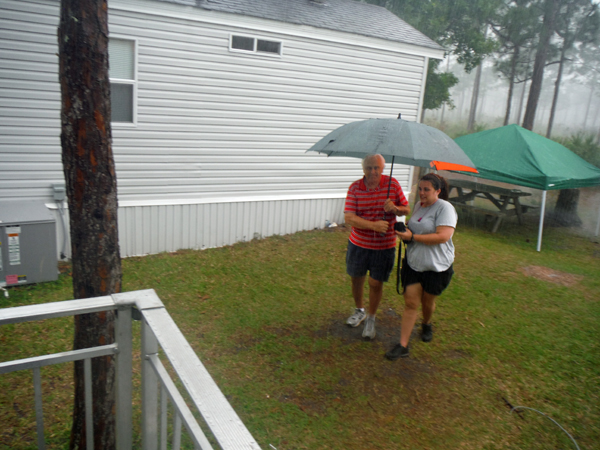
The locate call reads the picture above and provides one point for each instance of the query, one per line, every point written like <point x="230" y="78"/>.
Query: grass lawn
<point x="266" y="317"/>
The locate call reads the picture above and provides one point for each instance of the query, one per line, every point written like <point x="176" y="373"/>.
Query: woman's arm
<point x="442" y="234"/>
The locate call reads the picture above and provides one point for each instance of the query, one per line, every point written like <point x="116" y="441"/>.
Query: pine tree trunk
<point x="556" y="91"/>
<point x="549" y="27"/>
<point x="92" y="197"/>
<point x="521" y="101"/>
<point x="565" y="211"/>
<point x="587" y="109"/>
<point x="474" y="98"/>
<point x="511" y="84"/>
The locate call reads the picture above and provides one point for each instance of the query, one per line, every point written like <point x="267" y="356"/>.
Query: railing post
<point x="39" y="410"/>
<point x="124" y="379"/>
<point x="149" y="390"/>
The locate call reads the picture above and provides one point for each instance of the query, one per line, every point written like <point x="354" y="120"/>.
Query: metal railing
<point x="158" y="331"/>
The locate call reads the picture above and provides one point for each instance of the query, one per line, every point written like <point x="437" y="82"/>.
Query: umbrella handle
<point x="390" y="183"/>
<point x="389" y="187"/>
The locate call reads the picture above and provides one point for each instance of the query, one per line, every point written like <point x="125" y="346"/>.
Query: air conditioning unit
<point x="27" y="243"/>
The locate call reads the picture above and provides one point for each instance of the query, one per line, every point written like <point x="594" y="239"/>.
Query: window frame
<point x="133" y="82"/>
<point x="254" y="51"/>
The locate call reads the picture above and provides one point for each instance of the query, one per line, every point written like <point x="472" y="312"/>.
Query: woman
<point x="427" y="269"/>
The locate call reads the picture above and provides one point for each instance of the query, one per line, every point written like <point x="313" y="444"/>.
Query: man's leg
<point x="412" y="299"/>
<point x="358" y="285"/>
<point x="375" y="294"/>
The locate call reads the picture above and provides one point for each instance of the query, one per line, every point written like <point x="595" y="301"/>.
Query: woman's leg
<point x="428" y="305"/>
<point x="412" y="299"/>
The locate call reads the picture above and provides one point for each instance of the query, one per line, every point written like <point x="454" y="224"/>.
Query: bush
<point x="583" y="145"/>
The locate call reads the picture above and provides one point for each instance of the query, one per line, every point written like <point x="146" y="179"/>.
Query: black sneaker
<point x="426" y="332"/>
<point x="397" y="352"/>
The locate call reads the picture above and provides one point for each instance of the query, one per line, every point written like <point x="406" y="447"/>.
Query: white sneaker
<point x="356" y="319"/>
<point x="369" y="331"/>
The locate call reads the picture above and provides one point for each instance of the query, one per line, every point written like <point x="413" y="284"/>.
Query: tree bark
<point x="587" y="109"/>
<point x="511" y="84"/>
<point x="556" y="91"/>
<point x="444" y="104"/>
<point x="521" y="101"/>
<point x="548" y="29"/>
<point x="91" y="187"/>
<point x="474" y="98"/>
<point x="565" y="211"/>
<point x="596" y="124"/>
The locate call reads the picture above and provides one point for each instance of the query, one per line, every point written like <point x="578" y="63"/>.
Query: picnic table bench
<point x="506" y="202"/>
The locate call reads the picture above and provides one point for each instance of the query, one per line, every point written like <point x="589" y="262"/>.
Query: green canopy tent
<point x="514" y="155"/>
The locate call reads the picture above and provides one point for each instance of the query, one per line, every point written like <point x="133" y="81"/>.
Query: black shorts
<point x="379" y="263"/>
<point x="433" y="283"/>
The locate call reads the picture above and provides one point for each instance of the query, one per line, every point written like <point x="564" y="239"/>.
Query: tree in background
<point x="551" y="9"/>
<point x="592" y="80"/>
<point x="515" y="25"/>
<point x="92" y="198"/>
<point x="438" y="88"/>
<point x="578" y="23"/>
<point x="457" y="25"/>
<point x="475" y="96"/>
<point x="586" y="70"/>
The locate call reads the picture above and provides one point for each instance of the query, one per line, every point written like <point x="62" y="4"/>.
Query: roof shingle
<point x="340" y="15"/>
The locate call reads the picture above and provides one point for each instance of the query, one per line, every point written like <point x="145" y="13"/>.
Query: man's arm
<point x="379" y="226"/>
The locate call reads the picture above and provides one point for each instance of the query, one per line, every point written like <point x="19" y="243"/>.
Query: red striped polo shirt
<point x="368" y="204"/>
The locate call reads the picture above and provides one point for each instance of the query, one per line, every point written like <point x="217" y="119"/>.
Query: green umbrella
<point x="397" y="140"/>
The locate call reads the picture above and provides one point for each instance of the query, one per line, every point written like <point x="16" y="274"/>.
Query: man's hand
<point x="380" y="226"/>
<point x="389" y="207"/>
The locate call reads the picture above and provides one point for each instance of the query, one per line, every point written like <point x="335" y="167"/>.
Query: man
<point x="372" y="242"/>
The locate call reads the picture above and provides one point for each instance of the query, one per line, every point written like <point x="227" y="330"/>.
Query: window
<point x="123" y="83"/>
<point x="255" y="45"/>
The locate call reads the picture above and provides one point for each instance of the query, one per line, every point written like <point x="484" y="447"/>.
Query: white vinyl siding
<point x="212" y="123"/>
<point x="213" y="126"/>
<point x="30" y="159"/>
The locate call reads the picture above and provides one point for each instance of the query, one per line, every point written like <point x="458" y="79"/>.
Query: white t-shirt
<point x="425" y="220"/>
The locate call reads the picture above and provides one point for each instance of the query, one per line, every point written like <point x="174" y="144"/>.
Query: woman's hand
<point x="406" y="236"/>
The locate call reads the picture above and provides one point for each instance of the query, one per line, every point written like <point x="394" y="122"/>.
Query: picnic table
<point x="506" y="202"/>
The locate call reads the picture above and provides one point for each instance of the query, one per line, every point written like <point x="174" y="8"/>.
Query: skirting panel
<point x="151" y="229"/>
<point x="147" y="230"/>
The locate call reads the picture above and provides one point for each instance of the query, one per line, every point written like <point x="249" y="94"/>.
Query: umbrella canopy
<point x="514" y="155"/>
<point x="397" y="140"/>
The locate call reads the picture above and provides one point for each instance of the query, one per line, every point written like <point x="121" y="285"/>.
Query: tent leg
<point x="541" y="227"/>
<point x="598" y="224"/>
